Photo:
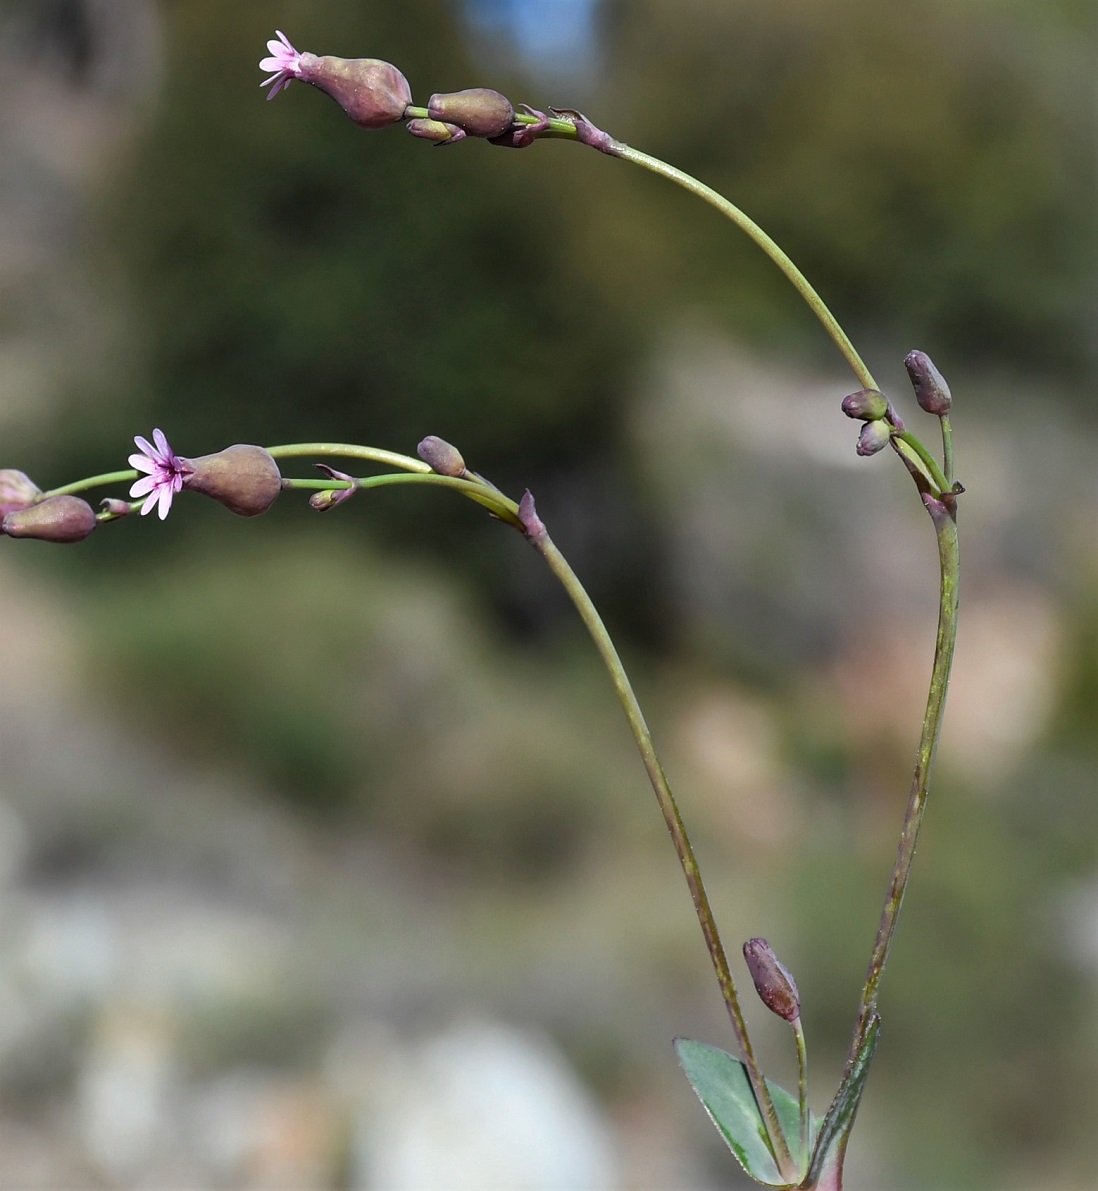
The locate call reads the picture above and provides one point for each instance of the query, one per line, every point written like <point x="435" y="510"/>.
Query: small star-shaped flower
<point x="285" y="61"/>
<point x="165" y="470"/>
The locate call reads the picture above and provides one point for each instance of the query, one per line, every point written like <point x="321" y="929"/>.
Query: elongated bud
<point x="873" y="438"/>
<point x="776" y="987"/>
<point x="373" y="93"/>
<point x="17" y="491"/>
<point x="441" y="456"/>
<point x="243" y="478"/>
<point x="435" y="130"/>
<point x="55" y="519"/>
<point x="866" y="404"/>
<point x="931" y="391"/>
<point x="479" y="110"/>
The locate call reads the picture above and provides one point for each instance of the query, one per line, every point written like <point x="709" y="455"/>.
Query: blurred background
<point x="327" y="860"/>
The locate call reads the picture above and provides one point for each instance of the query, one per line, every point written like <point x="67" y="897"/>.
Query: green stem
<point x="348" y="451"/>
<point x="802" y="1085"/>
<point x="943" y="514"/>
<point x="947" y="449"/>
<point x="677" y="830"/>
<point x="107" y="477"/>
<point x="772" y="250"/>
<point x="929" y="463"/>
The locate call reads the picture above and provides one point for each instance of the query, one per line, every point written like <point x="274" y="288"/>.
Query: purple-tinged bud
<point x="112" y="508"/>
<point x="521" y="136"/>
<point x="373" y="93"/>
<point x="479" y="110"/>
<point x="874" y="437"/>
<point x="866" y="404"/>
<point x="244" y="478"/>
<point x="931" y="391"/>
<point x="776" y="987"/>
<point x="441" y="457"/>
<point x="55" y="519"/>
<point x="435" y="130"/>
<point x="17" y="491"/>
<point x="328" y="498"/>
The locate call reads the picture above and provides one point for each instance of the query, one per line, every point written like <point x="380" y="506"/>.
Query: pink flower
<point x="166" y="472"/>
<point x="285" y="61"/>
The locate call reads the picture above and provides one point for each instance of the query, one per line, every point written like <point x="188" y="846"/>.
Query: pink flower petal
<point x="143" y="486"/>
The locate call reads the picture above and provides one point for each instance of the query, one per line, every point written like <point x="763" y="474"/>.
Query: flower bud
<point x="328" y="498"/>
<point x="874" y="437"/>
<point x="866" y="404"/>
<point x="17" y="491"/>
<point x="479" y="110"/>
<point x="441" y="456"/>
<point x="55" y="519"/>
<point x="373" y="93"/>
<point x="244" y="478"/>
<point x="111" y="508"/>
<point x="931" y="391"/>
<point x="435" y="130"/>
<point x="776" y="987"/>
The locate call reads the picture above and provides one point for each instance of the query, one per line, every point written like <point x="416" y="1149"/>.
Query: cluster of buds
<point x="244" y="478"/>
<point x="376" y="94"/>
<point x="876" y="411"/>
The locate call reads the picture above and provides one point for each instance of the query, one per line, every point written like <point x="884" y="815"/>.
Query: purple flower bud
<point x="435" y="130"/>
<point x="866" y="404"/>
<point x="776" y="987"/>
<point x="244" y="478"/>
<point x="479" y="110"/>
<point x="441" y="456"/>
<point x="521" y="136"/>
<point x="371" y="92"/>
<point x="931" y="391"/>
<point x="874" y="437"/>
<point x="55" y="519"/>
<point x="113" y="508"/>
<point x="17" y="491"/>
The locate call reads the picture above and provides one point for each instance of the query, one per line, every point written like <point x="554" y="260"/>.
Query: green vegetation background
<point x="287" y="277"/>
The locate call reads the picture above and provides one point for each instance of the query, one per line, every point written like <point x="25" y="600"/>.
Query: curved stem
<point x="944" y="515"/>
<point x="348" y="451"/>
<point x="769" y="246"/>
<point x="677" y="830"/>
<point x="100" y="481"/>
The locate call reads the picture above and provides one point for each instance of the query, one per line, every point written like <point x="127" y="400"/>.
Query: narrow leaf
<point x="826" y="1168"/>
<point x="722" y="1085"/>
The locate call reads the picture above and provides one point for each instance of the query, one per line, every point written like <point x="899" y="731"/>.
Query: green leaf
<point x="721" y="1083"/>
<point x="827" y="1158"/>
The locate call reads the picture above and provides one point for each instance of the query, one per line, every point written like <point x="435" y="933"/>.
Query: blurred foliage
<point x="929" y="165"/>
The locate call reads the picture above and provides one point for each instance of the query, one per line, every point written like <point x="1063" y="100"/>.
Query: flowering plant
<point x="769" y="1130"/>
